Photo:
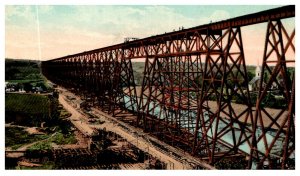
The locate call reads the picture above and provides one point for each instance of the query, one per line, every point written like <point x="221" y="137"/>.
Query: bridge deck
<point x="250" y="19"/>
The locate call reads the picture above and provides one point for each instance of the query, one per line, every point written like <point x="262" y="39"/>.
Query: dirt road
<point x="128" y="133"/>
<point x="76" y="118"/>
<point x="21" y="150"/>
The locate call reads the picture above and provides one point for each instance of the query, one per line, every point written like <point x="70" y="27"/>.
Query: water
<point x="227" y="137"/>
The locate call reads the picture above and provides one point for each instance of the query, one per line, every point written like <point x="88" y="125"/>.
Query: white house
<point x="254" y="83"/>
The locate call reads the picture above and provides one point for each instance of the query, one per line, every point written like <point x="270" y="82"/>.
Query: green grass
<point x="63" y="113"/>
<point x="61" y="139"/>
<point x="251" y="68"/>
<point x="25" y="103"/>
<point x="58" y="138"/>
<point x="44" y="145"/>
<point x="22" y="70"/>
<point x="15" y="137"/>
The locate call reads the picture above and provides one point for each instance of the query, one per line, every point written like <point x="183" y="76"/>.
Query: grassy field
<point x="15" y="137"/>
<point x="58" y="138"/>
<point x="35" y="109"/>
<point x="22" y="70"/>
<point x="25" y="74"/>
<point x="27" y="103"/>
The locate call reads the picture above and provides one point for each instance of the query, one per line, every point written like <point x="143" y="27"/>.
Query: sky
<point x="48" y="32"/>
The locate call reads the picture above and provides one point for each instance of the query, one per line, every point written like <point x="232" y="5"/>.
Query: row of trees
<point x="27" y="86"/>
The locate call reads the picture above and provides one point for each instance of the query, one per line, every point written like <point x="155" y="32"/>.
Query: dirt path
<point x="76" y="118"/>
<point x="19" y="152"/>
<point x="19" y="126"/>
<point x="131" y="136"/>
<point x="25" y="147"/>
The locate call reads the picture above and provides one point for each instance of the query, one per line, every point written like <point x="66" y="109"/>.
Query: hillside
<point x="21" y="71"/>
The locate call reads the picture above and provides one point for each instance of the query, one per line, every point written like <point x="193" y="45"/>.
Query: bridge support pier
<point x="276" y="80"/>
<point x="224" y="86"/>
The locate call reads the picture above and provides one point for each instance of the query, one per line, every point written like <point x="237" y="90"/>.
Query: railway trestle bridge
<point x="194" y="94"/>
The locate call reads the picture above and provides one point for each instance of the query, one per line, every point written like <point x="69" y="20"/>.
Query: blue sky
<point x="71" y="29"/>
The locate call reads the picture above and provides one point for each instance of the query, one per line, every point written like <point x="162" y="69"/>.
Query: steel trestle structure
<point x="194" y="94"/>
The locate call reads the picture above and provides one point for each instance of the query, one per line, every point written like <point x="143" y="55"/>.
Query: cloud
<point x="45" y="9"/>
<point x="219" y="15"/>
<point x="19" y="11"/>
<point x="142" y="20"/>
<point x="89" y="27"/>
<point x="72" y="29"/>
<point x="24" y="43"/>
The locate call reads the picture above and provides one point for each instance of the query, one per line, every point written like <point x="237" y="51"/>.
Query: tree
<point x="27" y="87"/>
<point x="266" y="77"/>
<point x="42" y="85"/>
<point x="250" y="75"/>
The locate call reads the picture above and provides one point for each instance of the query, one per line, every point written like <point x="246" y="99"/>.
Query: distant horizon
<point x="133" y="60"/>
